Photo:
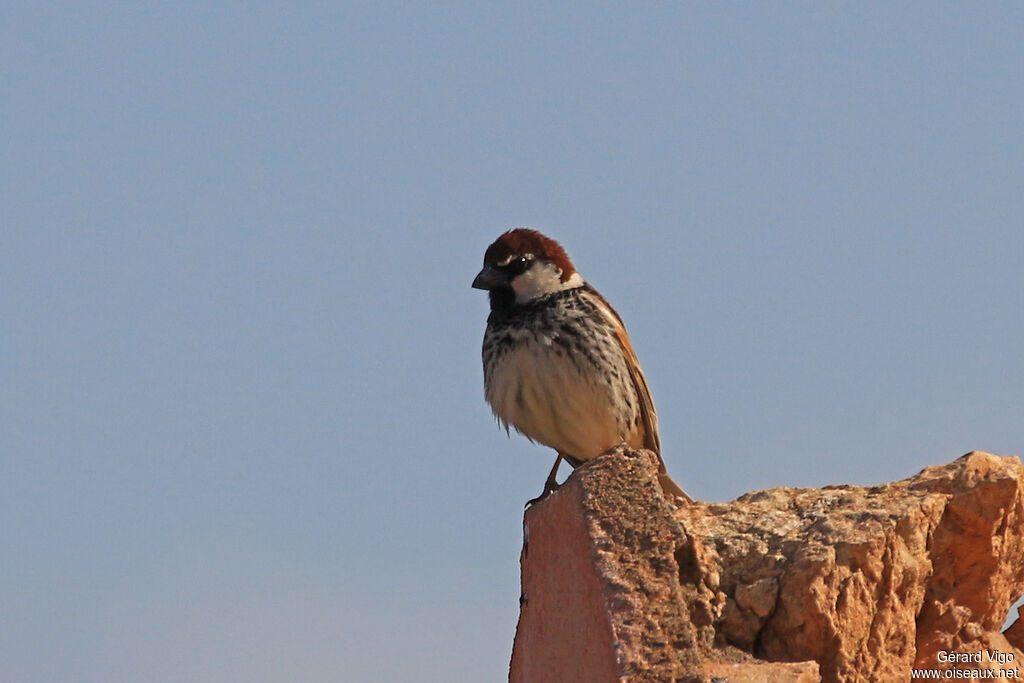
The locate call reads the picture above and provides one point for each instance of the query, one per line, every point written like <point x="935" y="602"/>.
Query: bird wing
<point x="648" y="415"/>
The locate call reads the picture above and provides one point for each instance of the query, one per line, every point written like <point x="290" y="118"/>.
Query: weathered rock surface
<point x="842" y="583"/>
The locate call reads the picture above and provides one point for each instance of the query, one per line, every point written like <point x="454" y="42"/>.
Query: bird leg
<point x="550" y="485"/>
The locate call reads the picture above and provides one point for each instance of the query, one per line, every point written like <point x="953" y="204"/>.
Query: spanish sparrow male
<point x="558" y="364"/>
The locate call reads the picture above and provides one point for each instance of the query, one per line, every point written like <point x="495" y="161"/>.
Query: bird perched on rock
<point x="558" y="363"/>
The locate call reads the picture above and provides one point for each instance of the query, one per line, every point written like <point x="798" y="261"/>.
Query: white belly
<point x="545" y="397"/>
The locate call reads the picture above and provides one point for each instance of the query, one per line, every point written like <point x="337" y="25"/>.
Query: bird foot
<point x="549" y="488"/>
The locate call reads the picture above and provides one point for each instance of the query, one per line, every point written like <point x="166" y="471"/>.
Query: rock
<point x="759" y="672"/>
<point x="601" y="597"/>
<point x="842" y="583"/>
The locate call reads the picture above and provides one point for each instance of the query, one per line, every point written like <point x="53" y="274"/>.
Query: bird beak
<point x="489" y="278"/>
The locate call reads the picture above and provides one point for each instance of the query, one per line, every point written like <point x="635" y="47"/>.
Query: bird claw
<point x="533" y="501"/>
<point x="548" y="490"/>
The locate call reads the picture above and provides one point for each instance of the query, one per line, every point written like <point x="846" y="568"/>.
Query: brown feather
<point x="522" y="241"/>
<point x="648" y="415"/>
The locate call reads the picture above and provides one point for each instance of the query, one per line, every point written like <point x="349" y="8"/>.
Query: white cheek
<point x="543" y="278"/>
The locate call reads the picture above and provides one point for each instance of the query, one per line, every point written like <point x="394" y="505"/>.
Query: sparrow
<point x="558" y="364"/>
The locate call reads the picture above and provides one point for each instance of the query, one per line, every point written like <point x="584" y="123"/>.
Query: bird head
<point x="523" y="265"/>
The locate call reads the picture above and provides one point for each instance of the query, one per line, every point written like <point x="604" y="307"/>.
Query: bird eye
<point x="521" y="264"/>
<point x="517" y="265"/>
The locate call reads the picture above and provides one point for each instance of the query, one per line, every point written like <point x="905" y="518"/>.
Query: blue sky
<point x="244" y="436"/>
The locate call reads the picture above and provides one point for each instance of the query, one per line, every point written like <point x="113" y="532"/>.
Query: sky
<point x="244" y="435"/>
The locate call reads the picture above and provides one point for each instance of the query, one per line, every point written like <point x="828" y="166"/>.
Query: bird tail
<point x="670" y="488"/>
